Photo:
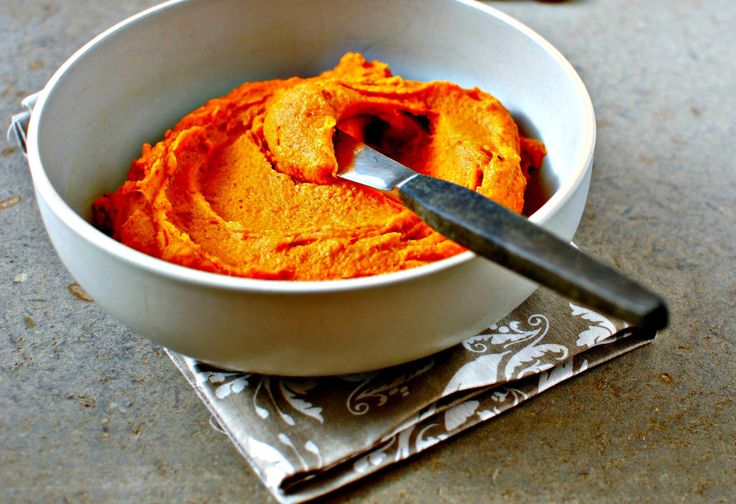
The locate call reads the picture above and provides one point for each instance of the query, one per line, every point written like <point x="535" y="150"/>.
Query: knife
<point x="506" y="238"/>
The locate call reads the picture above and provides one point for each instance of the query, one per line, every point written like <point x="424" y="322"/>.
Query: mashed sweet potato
<point x="246" y="184"/>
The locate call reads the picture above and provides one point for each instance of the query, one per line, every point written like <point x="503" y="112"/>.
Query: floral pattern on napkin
<point x="305" y="437"/>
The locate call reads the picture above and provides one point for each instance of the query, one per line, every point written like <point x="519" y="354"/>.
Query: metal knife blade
<point x="364" y="165"/>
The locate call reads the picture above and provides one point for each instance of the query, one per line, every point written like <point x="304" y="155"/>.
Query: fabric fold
<point x="306" y="437"/>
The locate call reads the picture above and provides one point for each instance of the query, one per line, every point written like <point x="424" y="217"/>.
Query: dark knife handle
<point x="512" y="241"/>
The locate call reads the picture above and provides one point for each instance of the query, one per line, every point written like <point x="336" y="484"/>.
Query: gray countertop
<point x="91" y="412"/>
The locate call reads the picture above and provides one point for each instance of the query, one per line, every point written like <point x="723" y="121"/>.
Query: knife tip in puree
<point x="245" y="185"/>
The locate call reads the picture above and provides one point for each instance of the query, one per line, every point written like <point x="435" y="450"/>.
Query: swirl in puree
<point x="246" y="185"/>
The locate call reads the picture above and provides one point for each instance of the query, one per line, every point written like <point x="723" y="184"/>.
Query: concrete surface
<point x="91" y="412"/>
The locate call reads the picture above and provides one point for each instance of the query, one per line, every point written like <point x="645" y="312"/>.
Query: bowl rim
<point x="85" y="230"/>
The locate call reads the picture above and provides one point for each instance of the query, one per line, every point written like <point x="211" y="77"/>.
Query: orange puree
<point x="246" y="186"/>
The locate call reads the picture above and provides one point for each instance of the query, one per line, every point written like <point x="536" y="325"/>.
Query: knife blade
<point x="502" y="236"/>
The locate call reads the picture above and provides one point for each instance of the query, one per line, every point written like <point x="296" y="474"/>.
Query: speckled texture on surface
<point x="91" y="412"/>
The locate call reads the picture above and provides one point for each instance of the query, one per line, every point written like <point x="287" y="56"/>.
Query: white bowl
<point x="138" y="78"/>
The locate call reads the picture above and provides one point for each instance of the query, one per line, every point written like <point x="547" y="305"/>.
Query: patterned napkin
<point x="305" y="437"/>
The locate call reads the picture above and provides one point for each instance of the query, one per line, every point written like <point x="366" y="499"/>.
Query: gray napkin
<point x="306" y="437"/>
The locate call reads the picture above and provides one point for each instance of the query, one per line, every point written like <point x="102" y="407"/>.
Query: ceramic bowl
<point x="132" y="82"/>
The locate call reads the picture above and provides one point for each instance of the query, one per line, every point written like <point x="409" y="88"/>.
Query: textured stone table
<point x="91" y="412"/>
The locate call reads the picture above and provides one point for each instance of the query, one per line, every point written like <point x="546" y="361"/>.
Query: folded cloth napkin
<point x="305" y="437"/>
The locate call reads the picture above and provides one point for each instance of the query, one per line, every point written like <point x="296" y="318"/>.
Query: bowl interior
<point x="129" y="85"/>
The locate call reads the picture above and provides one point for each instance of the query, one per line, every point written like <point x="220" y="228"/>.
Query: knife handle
<point x="508" y="239"/>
